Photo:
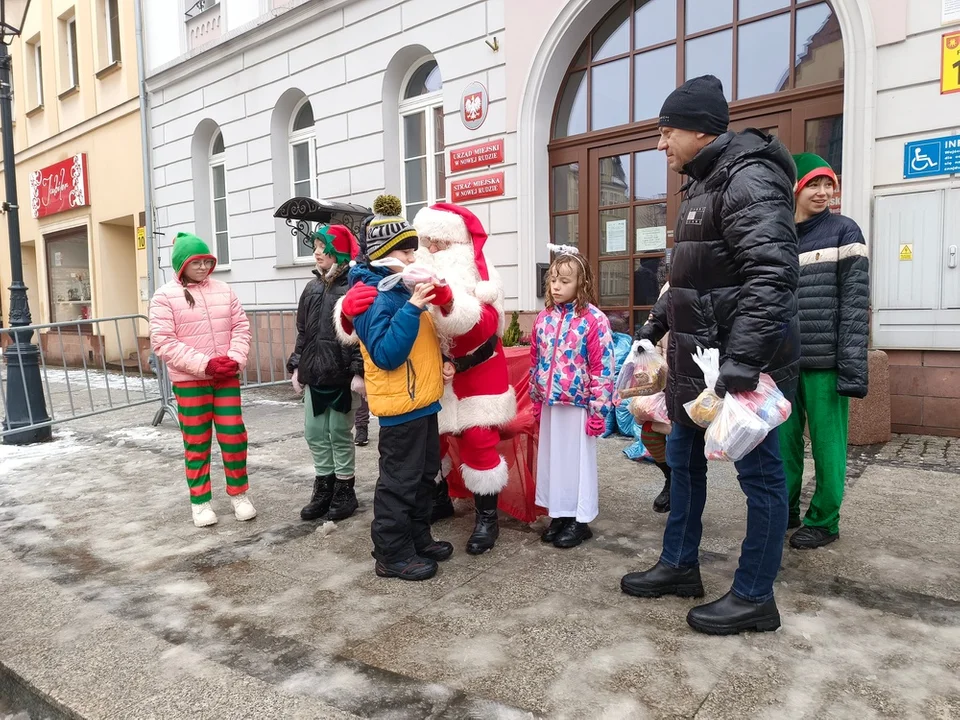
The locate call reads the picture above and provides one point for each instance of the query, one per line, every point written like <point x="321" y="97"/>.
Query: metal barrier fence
<point x="97" y="366"/>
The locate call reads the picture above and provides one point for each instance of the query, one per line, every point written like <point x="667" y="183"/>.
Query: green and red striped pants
<point x="203" y="404"/>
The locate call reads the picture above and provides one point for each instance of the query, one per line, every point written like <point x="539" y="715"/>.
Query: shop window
<point x="68" y="277"/>
<point x="630" y="62"/>
<point x="303" y="154"/>
<point x="423" y="180"/>
<point x="218" y="200"/>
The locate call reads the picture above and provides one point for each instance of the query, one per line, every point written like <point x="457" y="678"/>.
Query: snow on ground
<point x="13" y="457"/>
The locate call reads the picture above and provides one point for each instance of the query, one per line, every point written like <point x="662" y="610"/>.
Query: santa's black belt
<point x="480" y="355"/>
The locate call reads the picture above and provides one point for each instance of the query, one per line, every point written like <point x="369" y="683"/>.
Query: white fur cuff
<point x="485" y="482"/>
<point x="342" y="335"/>
<point x="463" y="316"/>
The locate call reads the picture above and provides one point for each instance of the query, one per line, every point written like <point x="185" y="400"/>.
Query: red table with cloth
<point x="518" y="446"/>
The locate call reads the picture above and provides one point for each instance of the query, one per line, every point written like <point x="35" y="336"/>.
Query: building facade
<point x="541" y="115"/>
<point x="79" y="175"/>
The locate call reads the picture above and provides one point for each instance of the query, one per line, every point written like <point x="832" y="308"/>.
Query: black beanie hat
<point x="697" y="105"/>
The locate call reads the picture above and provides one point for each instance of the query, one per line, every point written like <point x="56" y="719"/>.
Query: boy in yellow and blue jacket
<point x="403" y="371"/>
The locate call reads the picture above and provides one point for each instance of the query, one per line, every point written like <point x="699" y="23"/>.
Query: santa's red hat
<point x="458" y="225"/>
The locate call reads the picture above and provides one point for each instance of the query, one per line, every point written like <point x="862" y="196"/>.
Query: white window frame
<point x="295" y="138"/>
<point x="38" y="72"/>
<point x="412" y="106"/>
<point x="219" y="160"/>
<point x="73" y="56"/>
<point x="109" y="30"/>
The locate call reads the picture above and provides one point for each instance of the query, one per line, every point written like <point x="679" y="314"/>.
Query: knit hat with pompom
<point x="388" y="231"/>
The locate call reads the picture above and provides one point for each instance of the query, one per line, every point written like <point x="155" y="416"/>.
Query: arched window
<point x="634" y="58"/>
<point x="423" y="180"/>
<point x="218" y="200"/>
<point x="303" y="159"/>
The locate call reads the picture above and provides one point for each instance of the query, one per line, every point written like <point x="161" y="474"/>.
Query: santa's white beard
<point x="456" y="265"/>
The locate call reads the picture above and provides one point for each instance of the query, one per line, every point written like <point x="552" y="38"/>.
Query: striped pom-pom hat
<point x="389" y="232"/>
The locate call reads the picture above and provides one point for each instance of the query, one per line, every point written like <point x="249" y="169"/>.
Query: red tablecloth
<point x="519" y="448"/>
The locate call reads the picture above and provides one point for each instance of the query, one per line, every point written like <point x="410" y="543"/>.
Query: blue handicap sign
<point x="926" y="158"/>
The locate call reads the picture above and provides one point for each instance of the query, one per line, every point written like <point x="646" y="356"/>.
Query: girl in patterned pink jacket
<point x="200" y="331"/>
<point x="571" y="385"/>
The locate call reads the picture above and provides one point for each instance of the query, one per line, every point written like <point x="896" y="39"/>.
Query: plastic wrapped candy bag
<point x="744" y="421"/>
<point x="410" y="275"/>
<point x="644" y="372"/>
<point x="650" y="407"/>
<point x="767" y="402"/>
<point x="704" y="408"/>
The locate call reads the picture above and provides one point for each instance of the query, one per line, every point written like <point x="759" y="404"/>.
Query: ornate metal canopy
<point x="300" y="212"/>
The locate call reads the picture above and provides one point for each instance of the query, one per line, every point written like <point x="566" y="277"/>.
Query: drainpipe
<point x="145" y="150"/>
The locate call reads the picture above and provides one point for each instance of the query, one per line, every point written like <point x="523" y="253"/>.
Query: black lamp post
<point x="25" y="404"/>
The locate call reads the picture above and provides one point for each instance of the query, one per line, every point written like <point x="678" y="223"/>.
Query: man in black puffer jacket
<point x="733" y="286"/>
<point x="331" y="375"/>
<point x="834" y="328"/>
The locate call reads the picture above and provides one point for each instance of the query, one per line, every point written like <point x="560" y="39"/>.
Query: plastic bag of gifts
<point x="744" y="420"/>
<point x="650" y="407"/>
<point x="704" y="408"/>
<point x="644" y="372"/>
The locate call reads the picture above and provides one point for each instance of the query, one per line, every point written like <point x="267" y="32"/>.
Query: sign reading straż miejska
<point x="476" y="188"/>
<point x="60" y="187"/>
<point x="481" y="154"/>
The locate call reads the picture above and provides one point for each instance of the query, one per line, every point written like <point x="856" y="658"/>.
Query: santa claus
<point x="480" y="400"/>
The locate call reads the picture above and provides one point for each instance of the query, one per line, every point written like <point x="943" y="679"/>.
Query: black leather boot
<point x="344" y="503"/>
<point x="555" y="528"/>
<point x="361" y="437"/>
<point x="661" y="503"/>
<point x="436" y="550"/>
<point x="487" y="528"/>
<point x="320" y="500"/>
<point x="731" y="615"/>
<point x="442" y="505"/>
<point x="415" y="568"/>
<point x="663" y="580"/>
<point x="572" y="535"/>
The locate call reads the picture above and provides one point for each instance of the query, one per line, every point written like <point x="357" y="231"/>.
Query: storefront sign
<point x="473" y="105"/>
<point x="476" y="188"/>
<point x="950" y="63"/>
<point x="926" y="158"/>
<point x="949" y="12"/>
<point x="141" y="238"/>
<point x="60" y="187"/>
<point x="488" y="153"/>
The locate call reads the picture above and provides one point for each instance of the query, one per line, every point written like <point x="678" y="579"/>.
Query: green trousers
<point x="329" y="436"/>
<point x="818" y="404"/>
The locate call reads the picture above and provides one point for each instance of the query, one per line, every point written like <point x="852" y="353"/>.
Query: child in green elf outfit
<point x="331" y="374"/>
<point x="834" y="296"/>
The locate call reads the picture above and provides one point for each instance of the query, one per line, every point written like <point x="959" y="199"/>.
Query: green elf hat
<point x="338" y="242"/>
<point x="810" y="166"/>
<point x="187" y="248"/>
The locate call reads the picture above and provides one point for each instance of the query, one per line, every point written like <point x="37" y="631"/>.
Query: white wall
<point x="240" y="12"/>
<point x="162" y="32"/>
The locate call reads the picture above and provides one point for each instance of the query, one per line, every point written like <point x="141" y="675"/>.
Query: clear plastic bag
<point x="644" y="372"/>
<point x="650" y="407"/>
<point x="767" y="402"/>
<point x="735" y="433"/>
<point x="410" y="275"/>
<point x="704" y="409"/>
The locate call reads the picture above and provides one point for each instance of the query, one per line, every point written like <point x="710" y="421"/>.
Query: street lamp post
<point x="25" y="405"/>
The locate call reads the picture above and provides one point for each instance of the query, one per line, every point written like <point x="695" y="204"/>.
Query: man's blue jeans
<point x="762" y="481"/>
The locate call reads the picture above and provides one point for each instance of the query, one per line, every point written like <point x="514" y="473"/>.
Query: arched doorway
<point x="782" y="66"/>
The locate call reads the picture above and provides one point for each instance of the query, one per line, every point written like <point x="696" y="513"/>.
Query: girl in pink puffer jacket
<point x="200" y="331"/>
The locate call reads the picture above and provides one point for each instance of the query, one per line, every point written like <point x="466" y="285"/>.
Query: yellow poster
<point x="950" y="67"/>
<point x="906" y="252"/>
<point x="141" y="238"/>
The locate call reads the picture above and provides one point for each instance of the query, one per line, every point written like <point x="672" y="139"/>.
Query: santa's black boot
<point x="344" y="503"/>
<point x="442" y="505"/>
<point x="320" y="500"/>
<point x="487" y="527"/>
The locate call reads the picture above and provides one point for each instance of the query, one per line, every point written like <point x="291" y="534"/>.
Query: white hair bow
<point x="563" y="249"/>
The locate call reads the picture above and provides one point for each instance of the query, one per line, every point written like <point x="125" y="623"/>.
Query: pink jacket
<point x="186" y="338"/>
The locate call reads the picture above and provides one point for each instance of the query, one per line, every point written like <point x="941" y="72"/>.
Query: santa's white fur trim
<point x="447" y="418"/>
<point x="487" y="292"/>
<point x="464" y="314"/>
<point x="342" y="336"/>
<point x="446" y="465"/>
<point x="441" y="225"/>
<point x="486" y="482"/>
<point x="486" y="410"/>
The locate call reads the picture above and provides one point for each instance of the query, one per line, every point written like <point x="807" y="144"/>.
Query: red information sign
<point x="60" y="187"/>
<point x="488" y="153"/>
<point x="476" y="188"/>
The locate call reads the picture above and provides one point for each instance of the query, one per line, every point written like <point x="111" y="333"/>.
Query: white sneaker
<point x="242" y="507"/>
<point x="203" y="515"/>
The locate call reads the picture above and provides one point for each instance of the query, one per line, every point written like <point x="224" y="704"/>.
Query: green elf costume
<point x="833" y="296"/>
<point x="331" y="376"/>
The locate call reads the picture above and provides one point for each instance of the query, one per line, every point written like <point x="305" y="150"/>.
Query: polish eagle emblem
<point x="473" y="106"/>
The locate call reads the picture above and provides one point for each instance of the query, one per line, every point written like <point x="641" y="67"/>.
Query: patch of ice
<point x="328" y="527"/>
<point x="15" y="457"/>
<point x="80" y="380"/>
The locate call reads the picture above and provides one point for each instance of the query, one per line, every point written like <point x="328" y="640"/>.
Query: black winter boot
<point x="320" y="500"/>
<point x="361" y="436"/>
<point x="344" y="503"/>
<point x="487" y="527"/>
<point x="661" y="503"/>
<point x="442" y="505"/>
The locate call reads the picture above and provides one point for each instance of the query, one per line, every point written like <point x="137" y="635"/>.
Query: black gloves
<point x="736" y="377"/>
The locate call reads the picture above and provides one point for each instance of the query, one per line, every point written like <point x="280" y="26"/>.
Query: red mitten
<point x="442" y="295"/>
<point x="596" y="425"/>
<point x="358" y="300"/>
<point x="222" y="367"/>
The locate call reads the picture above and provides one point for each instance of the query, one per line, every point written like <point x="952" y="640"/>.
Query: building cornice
<point x="268" y="27"/>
